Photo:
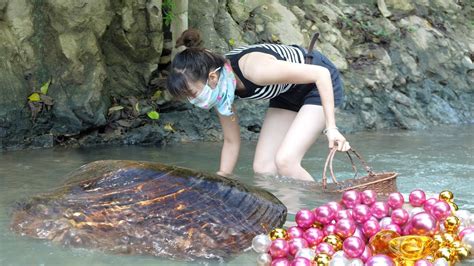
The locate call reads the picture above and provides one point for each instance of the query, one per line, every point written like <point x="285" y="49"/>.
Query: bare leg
<point x="275" y="126"/>
<point x="303" y="132"/>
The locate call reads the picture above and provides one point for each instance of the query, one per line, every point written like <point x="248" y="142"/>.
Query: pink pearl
<point x="417" y="197"/>
<point x="353" y="247"/>
<point x="361" y="213"/>
<point x="379" y="260"/>
<point x="280" y="262"/>
<point x="393" y="227"/>
<point x="345" y="228"/>
<point x="294" y="232"/>
<point x="428" y="204"/>
<point x="325" y="248"/>
<point x="370" y="228"/>
<point x="395" y="200"/>
<point x="296" y="244"/>
<point x="466" y="231"/>
<point x="423" y="262"/>
<point x="441" y="210"/>
<point x="304" y="218"/>
<point x="334" y="206"/>
<point x="324" y="214"/>
<point x="400" y="216"/>
<point x="379" y="209"/>
<point x="313" y="235"/>
<point x="300" y="261"/>
<point x="344" y="214"/>
<point x="329" y="229"/>
<point x="368" y="197"/>
<point x="350" y="198"/>
<point x="366" y="254"/>
<point x="358" y="233"/>
<point x="407" y="229"/>
<point x="423" y="224"/>
<point x="279" y="248"/>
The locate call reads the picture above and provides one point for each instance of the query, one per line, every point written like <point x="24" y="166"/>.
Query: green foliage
<point x="153" y="115"/>
<point x="45" y="87"/>
<point x="168" y="10"/>
<point x="38" y="100"/>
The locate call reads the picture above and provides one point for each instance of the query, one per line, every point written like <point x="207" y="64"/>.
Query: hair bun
<point x="189" y="38"/>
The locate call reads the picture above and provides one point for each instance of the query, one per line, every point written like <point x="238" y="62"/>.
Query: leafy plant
<point x="38" y="100"/>
<point x="154" y="115"/>
<point x="168" y="10"/>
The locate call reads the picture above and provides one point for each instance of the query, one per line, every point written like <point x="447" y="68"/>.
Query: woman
<point x="302" y="100"/>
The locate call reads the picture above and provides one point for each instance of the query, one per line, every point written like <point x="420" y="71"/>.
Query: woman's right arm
<point x="231" y="147"/>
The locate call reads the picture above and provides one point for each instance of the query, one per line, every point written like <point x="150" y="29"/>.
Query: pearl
<point x="264" y="259"/>
<point x="261" y="243"/>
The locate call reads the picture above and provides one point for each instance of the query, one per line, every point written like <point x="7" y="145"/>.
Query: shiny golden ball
<point x="451" y="224"/>
<point x="454" y="206"/>
<point x="446" y="195"/>
<point x="450" y="238"/>
<point x="445" y="252"/>
<point x="463" y="252"/>
<point x="322" y="259"/>
<point x="278" y="233"/>
<point x="335" y="241"/>
<point x="318" y="225"/>
<point x="438" y="240"/>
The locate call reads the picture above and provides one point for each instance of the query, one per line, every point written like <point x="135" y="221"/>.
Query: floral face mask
<point x="222" y="96"/>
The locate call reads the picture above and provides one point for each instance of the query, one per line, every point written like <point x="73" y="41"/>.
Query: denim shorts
<point x="303" y="94"/>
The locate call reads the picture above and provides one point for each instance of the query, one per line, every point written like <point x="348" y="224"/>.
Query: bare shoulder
<point x="250" y="62"/>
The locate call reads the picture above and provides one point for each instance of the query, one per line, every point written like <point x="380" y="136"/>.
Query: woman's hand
<point x="336" y="138"/>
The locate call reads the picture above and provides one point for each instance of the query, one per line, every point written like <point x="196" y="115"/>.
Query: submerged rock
<point x="148" y="208"/>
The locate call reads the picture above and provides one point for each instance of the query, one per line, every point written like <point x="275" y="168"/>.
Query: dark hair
<point x="191" y="65"/>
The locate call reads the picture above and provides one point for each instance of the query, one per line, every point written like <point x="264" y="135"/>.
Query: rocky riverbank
<point x="91" y="72"/>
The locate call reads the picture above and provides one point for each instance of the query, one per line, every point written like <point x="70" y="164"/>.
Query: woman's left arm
<point x="263" y="70"/>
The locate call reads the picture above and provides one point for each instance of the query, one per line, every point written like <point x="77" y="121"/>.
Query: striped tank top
<point x="288" y="53"/>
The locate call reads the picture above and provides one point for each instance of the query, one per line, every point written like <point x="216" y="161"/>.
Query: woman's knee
<point x="264" y="168"/>
<point x="285" y="164"/>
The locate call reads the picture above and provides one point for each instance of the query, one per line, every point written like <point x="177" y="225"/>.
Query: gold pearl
<point x="450" y="238"/>
<point x="278" y="233"/>
<point x="456" y="244"/>
<point x="445" y="252"/>
<point x="454" y="206"/>
<point x="322" y="259"/>
<point x="451" y="224"/>
<point x="446" y="195"/>
<point x="335" y="241"/>
<point x="438" y="241"/>
<point x="318" y="225"/>
<point x="463" y="252"/>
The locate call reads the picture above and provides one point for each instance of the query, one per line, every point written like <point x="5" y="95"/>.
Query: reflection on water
<point x="432" y="160"/>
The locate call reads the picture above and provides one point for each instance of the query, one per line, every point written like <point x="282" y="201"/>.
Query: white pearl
<point x="471" y="219"/>
<point x="468" y="239"/>
<point x="264" y="259"/>
<point x="338" y="254"/>
<point x="339" y="262"/>
<point x="441" y="262"/>
<point x="261" y="243"/>
<point x="356" y="262"/>
<point x="463" y="216"/>
<point x="306" y="253"/>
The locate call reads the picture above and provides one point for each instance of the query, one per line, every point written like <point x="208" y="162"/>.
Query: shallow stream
<point x="434" y="160"/>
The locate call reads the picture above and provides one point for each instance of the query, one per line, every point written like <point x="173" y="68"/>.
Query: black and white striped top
<point x="288" y="53"/>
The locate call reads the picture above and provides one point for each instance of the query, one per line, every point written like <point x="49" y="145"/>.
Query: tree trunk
<point x="179" y="22"/>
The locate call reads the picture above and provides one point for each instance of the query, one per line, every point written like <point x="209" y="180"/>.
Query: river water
<point x="434" y="160"/>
